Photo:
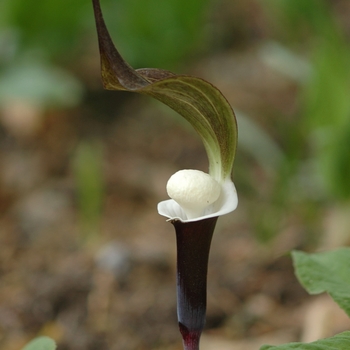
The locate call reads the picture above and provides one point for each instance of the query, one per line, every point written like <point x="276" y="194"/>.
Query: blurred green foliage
<point x="312" y="48"/>
<point x="149" y="32"/>
<point x="154" y="33"/>
<point x="88" y="174"/>
<point x="327" y="113"/>
<point x="299" y="18"/>
<point x="53" y="27"/>
<point x="34" y="37"/>
<point x="312" y="27"/>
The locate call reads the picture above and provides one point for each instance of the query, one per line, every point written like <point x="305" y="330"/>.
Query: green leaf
<point x="326" y="272"/>
<point x="339" y="342"/>
<point x="41" y="343"/>
<point x="199" y="102"/>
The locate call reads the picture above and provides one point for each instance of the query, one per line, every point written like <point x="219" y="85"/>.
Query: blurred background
<point x="84" y="256"/>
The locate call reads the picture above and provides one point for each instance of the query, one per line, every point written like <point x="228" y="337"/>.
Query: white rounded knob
<point x="193" y="190"/>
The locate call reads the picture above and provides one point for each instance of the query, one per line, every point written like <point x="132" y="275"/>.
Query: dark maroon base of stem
<point x="190" y="339"/>
<point x="193" y="245"/>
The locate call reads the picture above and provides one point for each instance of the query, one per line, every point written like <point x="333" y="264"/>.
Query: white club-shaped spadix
<point x="193" y="190"/>
<point x="224" y="204"/>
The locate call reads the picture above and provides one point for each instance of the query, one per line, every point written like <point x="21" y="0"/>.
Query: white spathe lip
<point x="226" y="203"/>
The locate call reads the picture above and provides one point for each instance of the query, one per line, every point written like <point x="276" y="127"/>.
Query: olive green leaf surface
<point x="41" y="343"/>
<point x="326" y="272"/>
<point x="339" y="342"/>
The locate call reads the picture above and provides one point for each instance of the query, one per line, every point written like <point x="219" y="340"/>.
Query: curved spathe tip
<point x="226" y="203"/>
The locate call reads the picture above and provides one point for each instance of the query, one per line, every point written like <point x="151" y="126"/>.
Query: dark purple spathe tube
<point x="193" y="244"/>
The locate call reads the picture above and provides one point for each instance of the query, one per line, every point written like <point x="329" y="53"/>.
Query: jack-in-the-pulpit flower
<point x="197" y="198"/>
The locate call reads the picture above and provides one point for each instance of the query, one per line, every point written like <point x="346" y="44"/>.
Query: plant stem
<point x="190" y="340"/>
<point x="193" y="244"/>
